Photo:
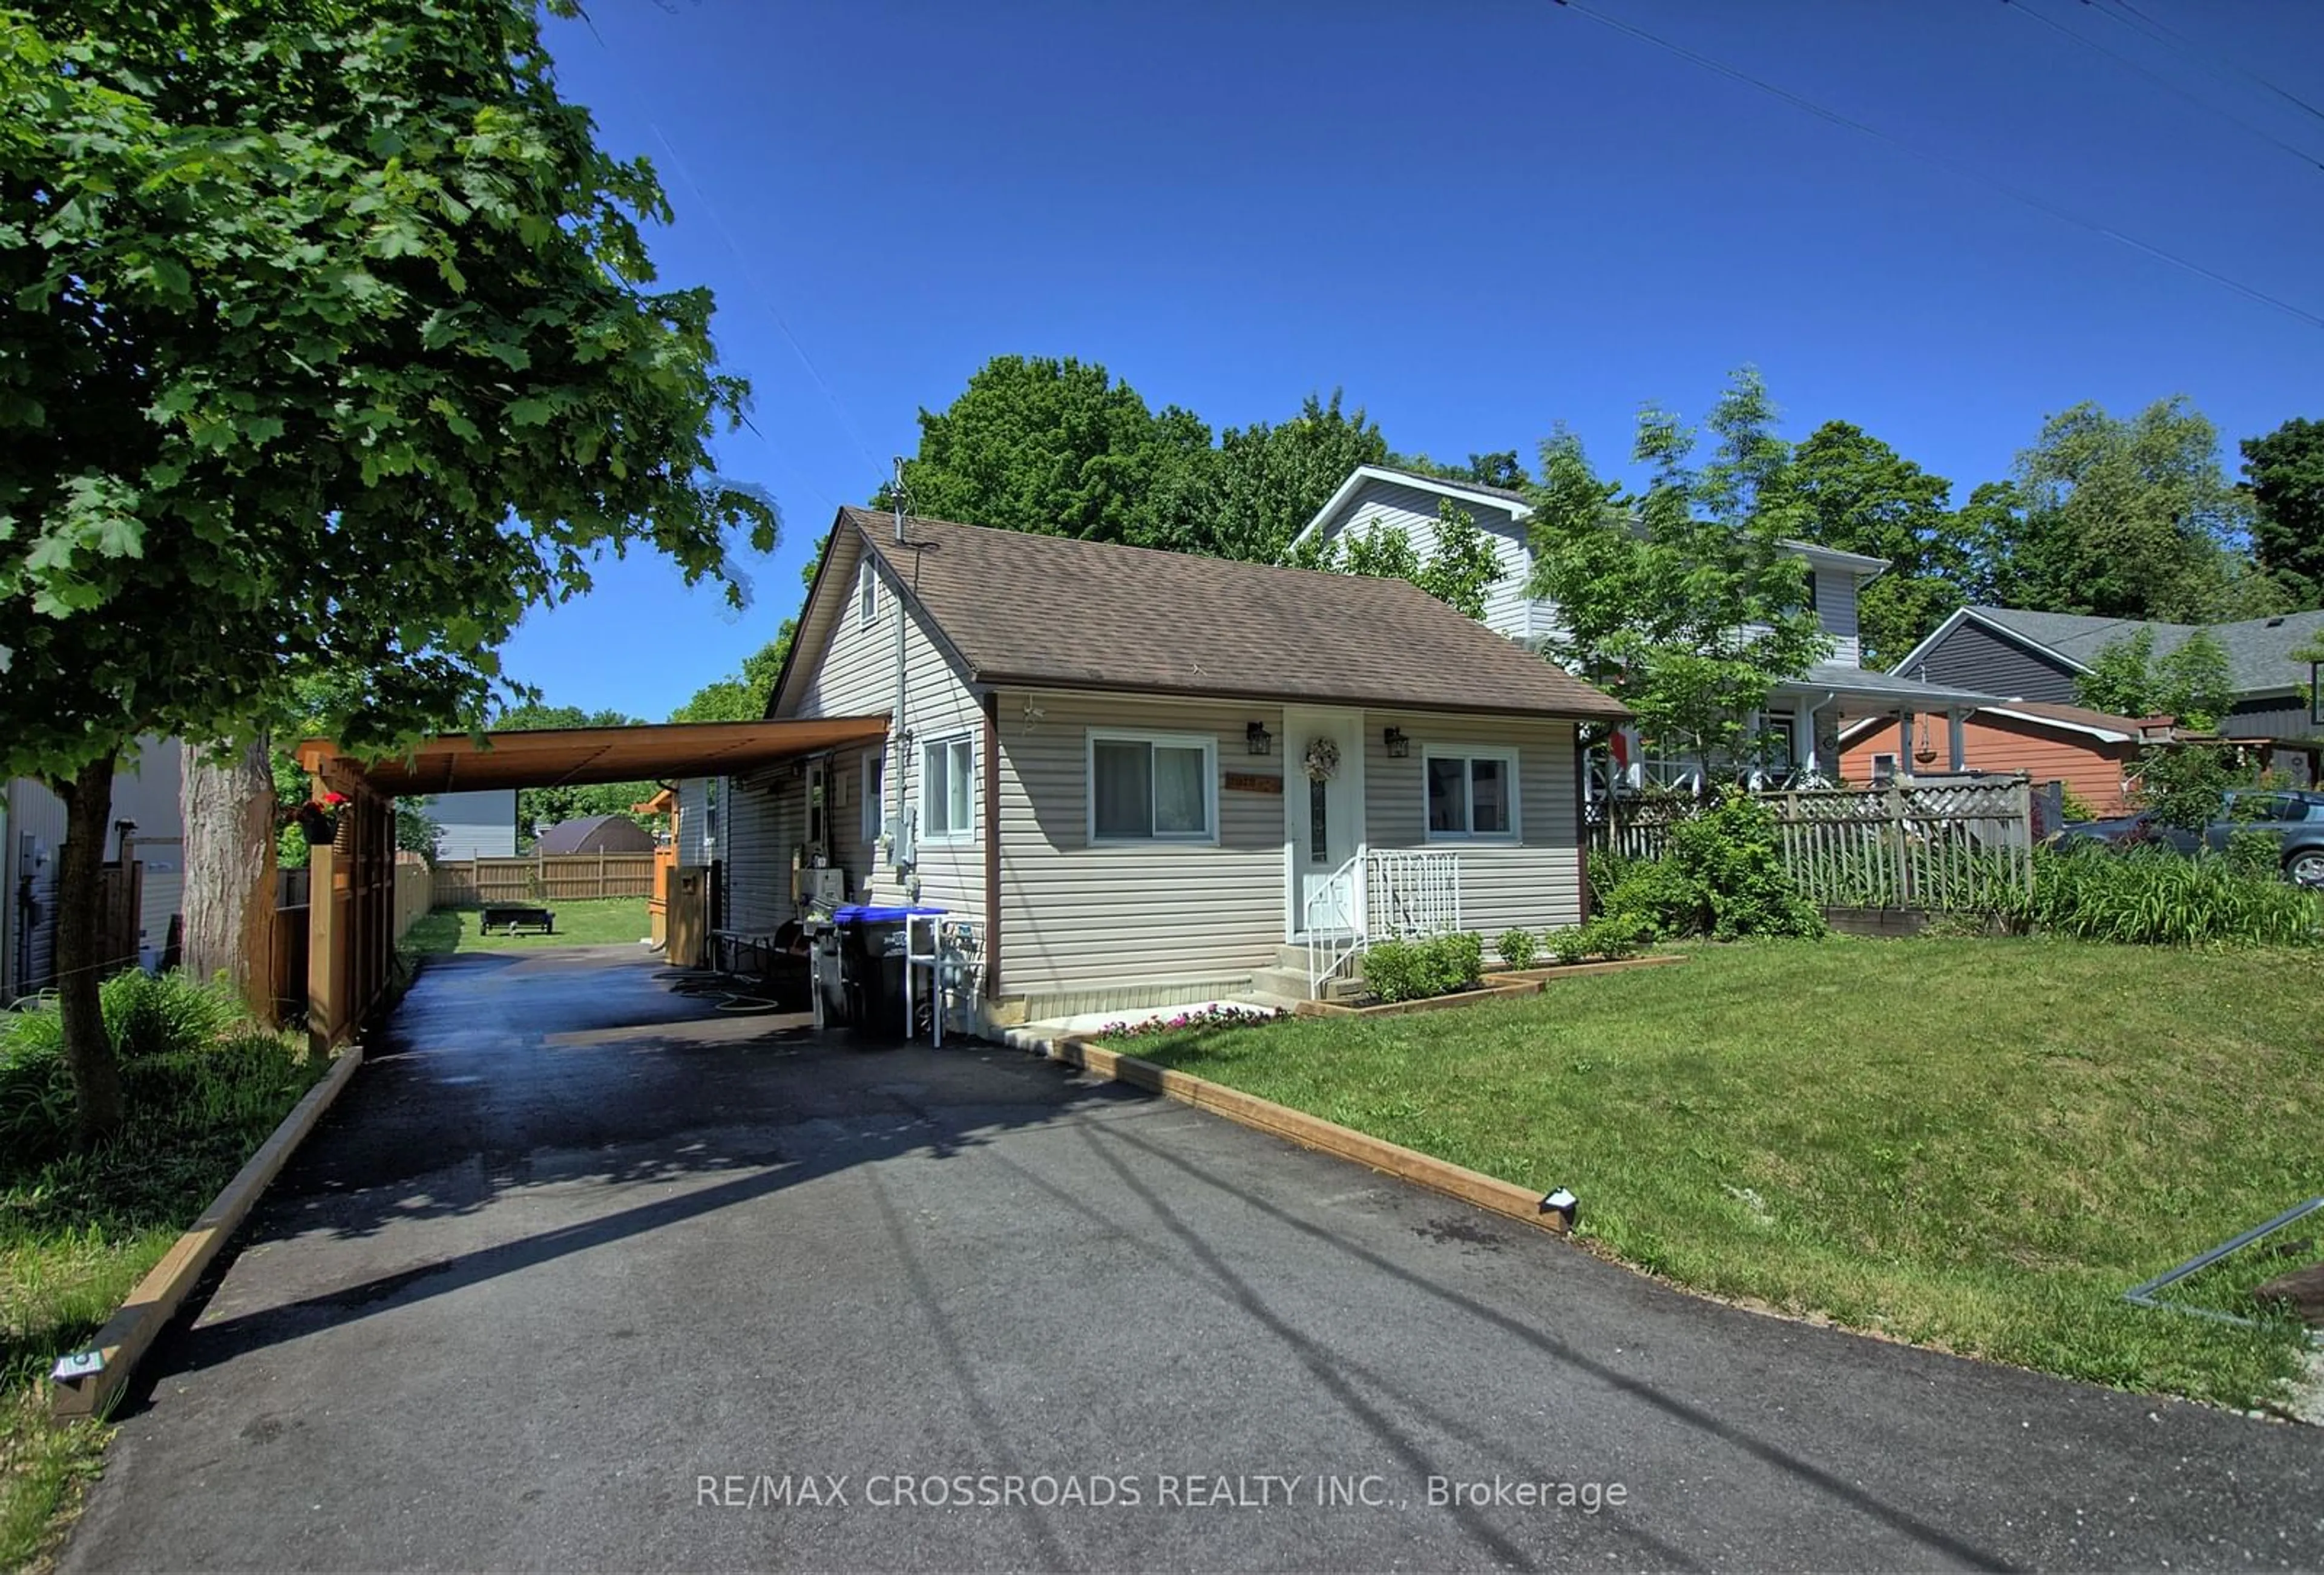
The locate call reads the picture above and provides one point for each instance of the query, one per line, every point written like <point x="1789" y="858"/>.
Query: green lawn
<point x="78" y="1229"/>
<point x="1972" y="1144"/>
<point x="590" y="922"/>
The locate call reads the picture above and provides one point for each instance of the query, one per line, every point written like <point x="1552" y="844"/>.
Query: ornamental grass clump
<point x="2154" y="897"/>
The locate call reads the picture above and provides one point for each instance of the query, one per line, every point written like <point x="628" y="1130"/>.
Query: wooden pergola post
<point x="350" y="917"/>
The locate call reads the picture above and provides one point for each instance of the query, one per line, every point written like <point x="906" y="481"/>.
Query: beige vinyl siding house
<point x="1102" y="752"/>
<point x="856" y="676"/>
<point x="1076" y="912"/>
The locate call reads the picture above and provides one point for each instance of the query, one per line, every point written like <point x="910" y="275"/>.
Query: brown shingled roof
<point x="1053" y="609"/>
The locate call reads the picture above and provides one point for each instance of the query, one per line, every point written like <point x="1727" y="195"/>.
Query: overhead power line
<point x="764" y="297"/>
<point x="2040" y="205"/>
<point x="2023" y="8"/>
<point x="757" y="289"/>
<point x="2130" y="15"/>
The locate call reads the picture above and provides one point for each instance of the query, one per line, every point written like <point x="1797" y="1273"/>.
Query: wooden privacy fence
<point x="415" y="891"/>
<point x="1949" y="846"/>
<point x="544" y="878"/>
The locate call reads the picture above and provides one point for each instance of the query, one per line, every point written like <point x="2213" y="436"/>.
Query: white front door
<point x="1324" y="820"/>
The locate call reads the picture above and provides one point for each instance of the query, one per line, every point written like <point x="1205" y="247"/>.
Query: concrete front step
<point x="1293" y="957"/>
<point x="1291" y="984"/>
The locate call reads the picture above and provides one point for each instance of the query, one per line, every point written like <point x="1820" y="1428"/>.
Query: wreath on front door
<point x="1322" y="761"/>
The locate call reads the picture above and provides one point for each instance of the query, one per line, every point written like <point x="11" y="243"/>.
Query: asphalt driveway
<point x="581" y="1273"/>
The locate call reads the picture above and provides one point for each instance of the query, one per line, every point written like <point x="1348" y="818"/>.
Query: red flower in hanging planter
<point x="334" y="798"/>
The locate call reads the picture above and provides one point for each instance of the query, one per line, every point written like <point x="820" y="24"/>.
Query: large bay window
<point x="1151" y="788"/>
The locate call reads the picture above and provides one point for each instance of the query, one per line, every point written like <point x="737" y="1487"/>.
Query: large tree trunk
<point x="88" y="1053"/>
<point x="227" y="801"/>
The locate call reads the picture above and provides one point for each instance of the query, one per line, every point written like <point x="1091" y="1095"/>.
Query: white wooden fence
<point x="1951" y="845"/>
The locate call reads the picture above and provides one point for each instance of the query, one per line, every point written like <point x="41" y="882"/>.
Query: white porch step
<point x="1293" y="956"/>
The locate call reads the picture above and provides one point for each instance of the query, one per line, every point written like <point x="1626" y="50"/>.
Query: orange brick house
<point x="2090" y="751"/>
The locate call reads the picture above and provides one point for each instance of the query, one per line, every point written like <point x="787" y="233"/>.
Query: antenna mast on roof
<point x="900" y="500"/>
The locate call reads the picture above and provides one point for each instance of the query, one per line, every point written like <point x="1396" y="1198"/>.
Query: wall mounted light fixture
<point x="1398" y="746"/>
<point x="1257" y="740"/>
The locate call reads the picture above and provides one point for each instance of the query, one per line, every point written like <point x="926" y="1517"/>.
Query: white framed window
<point x="867" y="592"/>
<point x="947" y="789"/>
<point x="1883" y="768"/>
<point x="1778" y="745"/>
<point x="875" y="799"/>
<point x="1153" y="787"/>
<point x="1470" y="794"/>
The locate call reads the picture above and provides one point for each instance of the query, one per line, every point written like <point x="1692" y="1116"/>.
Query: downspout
<point x="1815" y="751"/>
<point x="993" y="845"/>
<point x="898" y="729"/>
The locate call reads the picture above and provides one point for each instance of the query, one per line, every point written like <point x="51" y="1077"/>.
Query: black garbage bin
<point x="873" y="944"/>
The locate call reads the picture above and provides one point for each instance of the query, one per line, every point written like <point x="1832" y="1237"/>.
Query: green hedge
<point x="1416" y="970"/>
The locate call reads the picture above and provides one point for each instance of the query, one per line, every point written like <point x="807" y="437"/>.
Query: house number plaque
<point x="1242" y="782"/>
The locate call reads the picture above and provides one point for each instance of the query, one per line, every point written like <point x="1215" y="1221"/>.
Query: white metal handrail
<point x="1412" y="893"/>
<point x="1377" y="893"/>
<point x="1332" y="946"/>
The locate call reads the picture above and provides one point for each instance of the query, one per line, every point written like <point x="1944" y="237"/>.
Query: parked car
<point x="2293" y="816"/>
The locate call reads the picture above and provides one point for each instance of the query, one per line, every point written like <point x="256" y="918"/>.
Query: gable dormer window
<point x="867" y="593"/>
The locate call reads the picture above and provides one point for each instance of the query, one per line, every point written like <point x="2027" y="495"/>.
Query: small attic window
<point x="867" y="592"/>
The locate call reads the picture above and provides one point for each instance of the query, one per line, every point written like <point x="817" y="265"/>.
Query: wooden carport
<point x="350" y="922"/>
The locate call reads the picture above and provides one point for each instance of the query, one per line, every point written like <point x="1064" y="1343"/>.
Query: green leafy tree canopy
<point x="2193" y="681"/>
<point x="2286" y="471"/>
<point x="1054" y="446"/>
<point x="332" y="347"/>
<point x="1859" y="494"/>
<point x="2135" y="518"/>
<point x="1682" y="601"/>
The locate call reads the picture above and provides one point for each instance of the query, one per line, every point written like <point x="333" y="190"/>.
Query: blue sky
<point x="1478" y="219"/>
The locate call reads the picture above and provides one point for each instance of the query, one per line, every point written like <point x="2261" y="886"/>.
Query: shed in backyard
<point x="597" y="834"/>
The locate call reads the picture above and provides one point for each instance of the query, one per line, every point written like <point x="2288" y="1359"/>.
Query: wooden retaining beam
<point x="1490" y="1193"/>
<point x="130" y="1333"/>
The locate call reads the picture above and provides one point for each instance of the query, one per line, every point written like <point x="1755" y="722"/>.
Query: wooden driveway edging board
<point x="1487" y="1193"/>
<point x="1494" y="986"/>
<point x="130" y="1333"/>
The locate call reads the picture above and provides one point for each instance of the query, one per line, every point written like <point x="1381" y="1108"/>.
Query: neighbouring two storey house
<point x="1800" y="725"/>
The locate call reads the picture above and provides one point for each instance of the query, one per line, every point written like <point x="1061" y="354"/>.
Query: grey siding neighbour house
<point x="2036" y="656"/>
<point x="1835" y="600"/>
<point x="1971" y="656"/>
<point x="1412" y="511"/>
<point x="479" y="825"/>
